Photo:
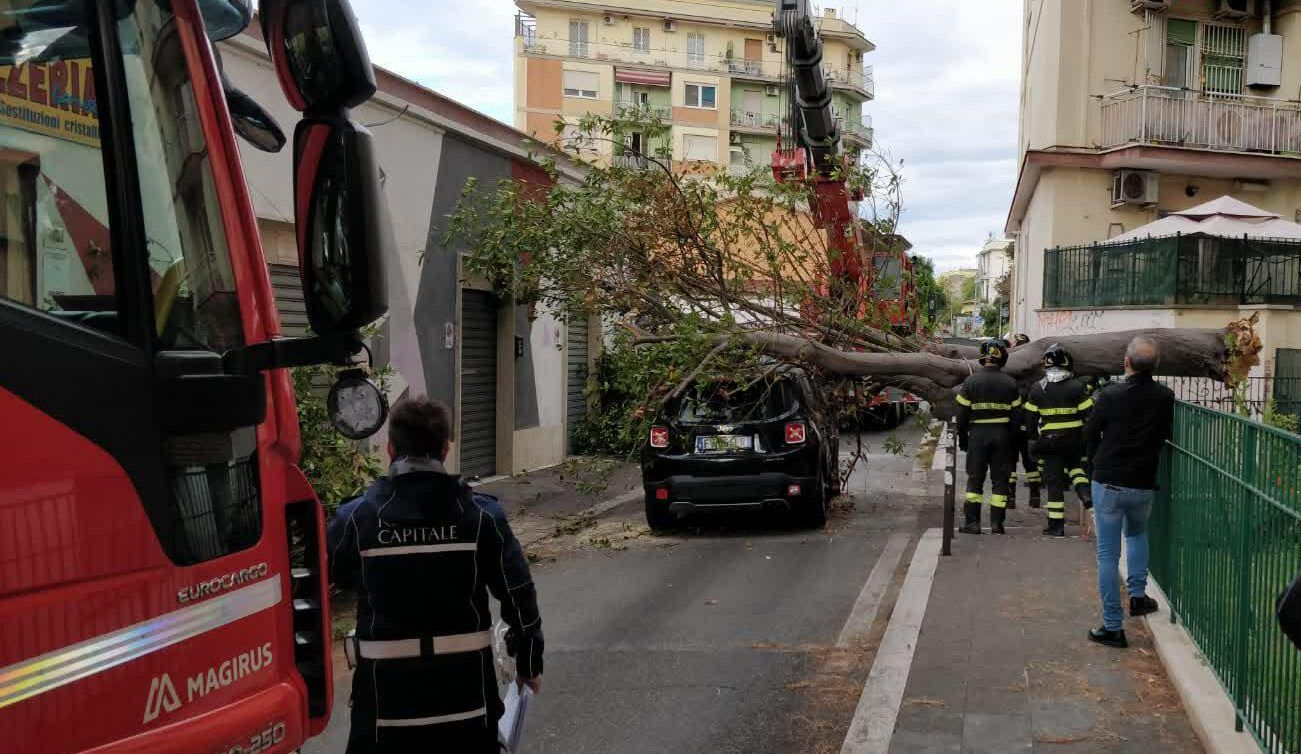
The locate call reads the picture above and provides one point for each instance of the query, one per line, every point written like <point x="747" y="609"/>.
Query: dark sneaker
<point x="1109" y="638"/>
<point x="997" y="529"/>
<point x="1054" y="531"/>
<point x="970" y="529"/>
<point x="1142" y="606"/>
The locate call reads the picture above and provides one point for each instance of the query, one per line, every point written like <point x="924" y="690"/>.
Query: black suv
<point x="726" y="446"/>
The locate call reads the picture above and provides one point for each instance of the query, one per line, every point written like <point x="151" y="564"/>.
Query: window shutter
<point x="584" y="83"/>
<point x="696" y="147"/>
<point x="1181" y="31"/>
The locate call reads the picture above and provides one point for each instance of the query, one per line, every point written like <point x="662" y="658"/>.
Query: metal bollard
<point x="950" y="490"/>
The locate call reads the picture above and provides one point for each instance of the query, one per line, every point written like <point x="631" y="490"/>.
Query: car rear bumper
<point x="752" y="492"/>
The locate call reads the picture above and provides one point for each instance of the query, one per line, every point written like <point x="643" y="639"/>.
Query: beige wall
<point x="543" y="88"/>
<point x="1078" y="50"/>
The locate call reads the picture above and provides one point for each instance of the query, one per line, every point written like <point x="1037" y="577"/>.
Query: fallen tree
<point x="735" y="264"/>
<point x="1224" y="355"/>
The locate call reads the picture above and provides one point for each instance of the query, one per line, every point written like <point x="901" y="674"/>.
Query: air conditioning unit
<point x="734" y="138"/>
<point x="1233" y="10"/>
<point x="608" y="20"/>
<point x="771" y="39"/>
<point x="670" y="25"/>
<point x="1135" y="187"/>
<point x="771" y="90"/>
<point x="1142" y="5"/>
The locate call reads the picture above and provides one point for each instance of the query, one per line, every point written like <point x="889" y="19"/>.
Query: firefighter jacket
<point x="988" y="398"/>
<point x="423" y="552"/>
<point x="1058" y="408"/>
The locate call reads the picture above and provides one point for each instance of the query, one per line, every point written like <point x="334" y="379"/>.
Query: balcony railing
<point x="860" y="79"/>
<point x="1201" y="120"/>
<point x="765" y="121"/>
<point x="1173" y="271"/>
<point x="632" y="161"/>
<point x="858" y="130"/>
<point x="643" y="110"/>
<point x="526" y="28"/>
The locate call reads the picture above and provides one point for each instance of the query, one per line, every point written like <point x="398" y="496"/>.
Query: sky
<point x="946" y="95"/>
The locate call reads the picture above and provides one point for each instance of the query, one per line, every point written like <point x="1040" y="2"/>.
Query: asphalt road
<point x="716" y="639"/>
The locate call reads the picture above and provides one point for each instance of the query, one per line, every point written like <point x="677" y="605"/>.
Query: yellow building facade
<point x="1133" y="109"/>
<point x="711" y="71"/>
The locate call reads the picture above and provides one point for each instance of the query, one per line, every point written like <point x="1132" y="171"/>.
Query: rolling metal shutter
<point x="478" y="383"/>
<point x="576" y="375"/>
<point x="288" y="288"/>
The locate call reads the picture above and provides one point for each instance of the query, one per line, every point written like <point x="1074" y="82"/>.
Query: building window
<point x="641" y="39"/>
<point x="1181" y="38"/>
<point x="583" y="84"/>
<point x="695" y="147"/>
<point x="578" y="39"/>
<point x="696" y="50"/>
<point x="700" y="95"/>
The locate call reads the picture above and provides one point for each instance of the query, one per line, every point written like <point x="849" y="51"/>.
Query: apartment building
<point x="991" y="266"/>
<point x="712" y="71"/>
<point x="1134" y="109"/>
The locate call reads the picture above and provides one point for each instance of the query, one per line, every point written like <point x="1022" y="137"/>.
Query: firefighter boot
<point x="1035" y="493"/>
<point x="1056" y="520"/>
<point x="971" y="512"/>
<point x="996" y="518"/>
<point x="1011" y="495"/>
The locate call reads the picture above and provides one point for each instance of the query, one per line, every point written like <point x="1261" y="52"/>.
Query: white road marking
<point x="869" y="599"/>
<point x="878" y="707"/>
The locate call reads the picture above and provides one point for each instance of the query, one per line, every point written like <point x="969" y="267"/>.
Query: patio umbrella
<point x="1226" y="216"/>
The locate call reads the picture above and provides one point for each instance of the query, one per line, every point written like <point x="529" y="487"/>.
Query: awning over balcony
<point x="640" y="76"/>
<point x="1225" y="216"/>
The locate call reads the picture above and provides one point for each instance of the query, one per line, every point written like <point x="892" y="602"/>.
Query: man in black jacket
<point x="1126" y="431"/>
<point x="423" y="552"/>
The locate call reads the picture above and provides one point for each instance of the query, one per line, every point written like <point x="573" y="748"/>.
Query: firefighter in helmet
<point x="989" y="407"/>
<point x="1031" y="475"/>
<point x="1055" y="413"/>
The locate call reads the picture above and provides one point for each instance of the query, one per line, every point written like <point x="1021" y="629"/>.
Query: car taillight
<point x="662" y="493"/>
<point x="659" y="437"/>
<point x="794" y="433"/>
<point x="793" y="490"/>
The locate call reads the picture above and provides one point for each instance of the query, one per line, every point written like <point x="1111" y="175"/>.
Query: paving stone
<point x="995" y="734"/>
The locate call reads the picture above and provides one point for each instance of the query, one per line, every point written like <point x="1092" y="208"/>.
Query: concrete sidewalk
<point x="1002" y="663"/>
<point x="564" y="498"/>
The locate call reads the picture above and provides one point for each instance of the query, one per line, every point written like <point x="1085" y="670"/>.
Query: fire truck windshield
<point x="58" y="253"/>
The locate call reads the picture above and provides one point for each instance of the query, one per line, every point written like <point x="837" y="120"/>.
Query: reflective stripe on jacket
<point x="1057" y="407"/>
<point x="988" y="397"/>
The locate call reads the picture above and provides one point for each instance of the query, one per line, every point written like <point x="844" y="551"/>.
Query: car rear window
<point x="729" y="403"/>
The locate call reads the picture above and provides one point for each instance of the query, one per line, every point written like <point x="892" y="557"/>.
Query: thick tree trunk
<point x="1224" y="354"/>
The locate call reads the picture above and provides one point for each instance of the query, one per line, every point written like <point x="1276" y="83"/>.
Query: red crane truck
<point x="161" y="556"/>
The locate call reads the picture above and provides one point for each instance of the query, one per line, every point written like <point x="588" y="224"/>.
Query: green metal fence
<point x="1193" y="269"/>
<point x="1225" y="542"/>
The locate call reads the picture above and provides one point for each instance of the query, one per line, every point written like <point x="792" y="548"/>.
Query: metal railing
<point x="859" y="78"/>
<point x="644" y="110"/>
<point x="1195" y="269"/>
<point x="1250" y="398"/>
<point x="766" y="121"/>
<point x="1202" y="120"/>
<point x="1225" y="540"/>
<point x="862" y="130"/>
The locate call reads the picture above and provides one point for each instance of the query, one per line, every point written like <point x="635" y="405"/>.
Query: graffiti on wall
<point x="1070" y="322"/>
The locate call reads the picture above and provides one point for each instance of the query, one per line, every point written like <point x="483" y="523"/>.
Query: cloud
<point x="947" y="74"/>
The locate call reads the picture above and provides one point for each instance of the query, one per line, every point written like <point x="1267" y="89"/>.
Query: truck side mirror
<point x="319" y="54"/>
<point x="343" y="224"/>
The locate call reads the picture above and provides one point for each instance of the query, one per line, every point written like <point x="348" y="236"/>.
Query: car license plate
<point x="723" y="443"/>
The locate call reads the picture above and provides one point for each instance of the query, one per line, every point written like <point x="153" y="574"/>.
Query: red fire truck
<point x="161" y="563"/>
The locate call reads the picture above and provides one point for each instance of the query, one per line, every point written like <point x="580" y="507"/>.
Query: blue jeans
<point x="1116" y="508"/>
